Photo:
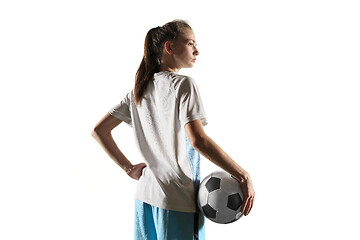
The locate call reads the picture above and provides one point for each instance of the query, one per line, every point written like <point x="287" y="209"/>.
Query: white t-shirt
<point x="172" y="175"/>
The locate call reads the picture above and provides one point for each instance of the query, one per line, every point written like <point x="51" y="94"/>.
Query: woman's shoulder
<point x="180" y="80"/>
<point x="175" y="79"/>
<point x="169" y="74"/>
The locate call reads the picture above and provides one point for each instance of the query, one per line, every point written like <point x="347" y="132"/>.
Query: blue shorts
<point x="153" y="223"/>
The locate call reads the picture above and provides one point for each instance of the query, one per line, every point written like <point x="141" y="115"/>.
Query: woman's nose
<point x="196" y="51"/>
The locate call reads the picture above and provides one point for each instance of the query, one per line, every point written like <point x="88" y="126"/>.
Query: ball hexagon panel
<point x="218" y="200"/>
<point x="202" y="196"/>
<point x="225" y="215"/>
<point x="230" y="185"/>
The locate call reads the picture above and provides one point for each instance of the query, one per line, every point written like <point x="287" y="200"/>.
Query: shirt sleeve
<point x="189" y="102"/>
<point x="122" y="110"/>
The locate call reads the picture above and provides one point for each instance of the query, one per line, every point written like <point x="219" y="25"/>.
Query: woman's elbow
<point x="97" y="132"/>
<point x="94" y="133"/>
<point x="198" y="142"/>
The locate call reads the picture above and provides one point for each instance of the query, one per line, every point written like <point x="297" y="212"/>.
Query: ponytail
<point x="153" y="48"/>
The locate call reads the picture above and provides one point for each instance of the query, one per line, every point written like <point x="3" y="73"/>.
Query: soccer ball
<point x="220" y="198"/>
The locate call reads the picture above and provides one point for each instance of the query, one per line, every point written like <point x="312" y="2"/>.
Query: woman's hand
<point x="135" y="171"/>
<point x="249" y="195"/>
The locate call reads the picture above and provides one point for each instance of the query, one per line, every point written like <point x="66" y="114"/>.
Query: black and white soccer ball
<point x="220" y="198"/>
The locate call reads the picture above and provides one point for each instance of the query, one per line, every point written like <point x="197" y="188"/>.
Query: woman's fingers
<point x="249" y="196"/>
<point x="136" y="171"/>
<point x="244" y="205"/>
<point x="247" y="205"/>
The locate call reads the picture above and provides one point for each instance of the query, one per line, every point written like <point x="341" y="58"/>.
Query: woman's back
<point x="173" y="169"/>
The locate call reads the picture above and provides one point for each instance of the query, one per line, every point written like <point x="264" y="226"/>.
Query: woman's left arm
<point x="102" y="134"/>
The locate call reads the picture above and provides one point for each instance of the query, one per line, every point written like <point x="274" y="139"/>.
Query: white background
<point x="280" y="85"/>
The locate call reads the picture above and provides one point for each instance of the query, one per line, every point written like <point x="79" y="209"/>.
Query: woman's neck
<point x="164" y="67"/>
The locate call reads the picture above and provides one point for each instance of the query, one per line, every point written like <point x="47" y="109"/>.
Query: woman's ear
<point x="168" y="47"/>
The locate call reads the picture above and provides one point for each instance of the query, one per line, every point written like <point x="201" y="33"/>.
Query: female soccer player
<point x="167" y="115"/>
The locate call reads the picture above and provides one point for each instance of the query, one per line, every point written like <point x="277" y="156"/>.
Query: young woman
<point x="167" y="115"/>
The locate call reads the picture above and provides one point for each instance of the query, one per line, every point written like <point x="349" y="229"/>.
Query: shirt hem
<point x="168" y="207"/>
<point x="192" y="118"/>
<point x="120" y="117"/>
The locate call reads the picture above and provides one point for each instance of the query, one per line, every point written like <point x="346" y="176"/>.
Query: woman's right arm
<point x="102" y="134"/>
<point x="209" y="149"/>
